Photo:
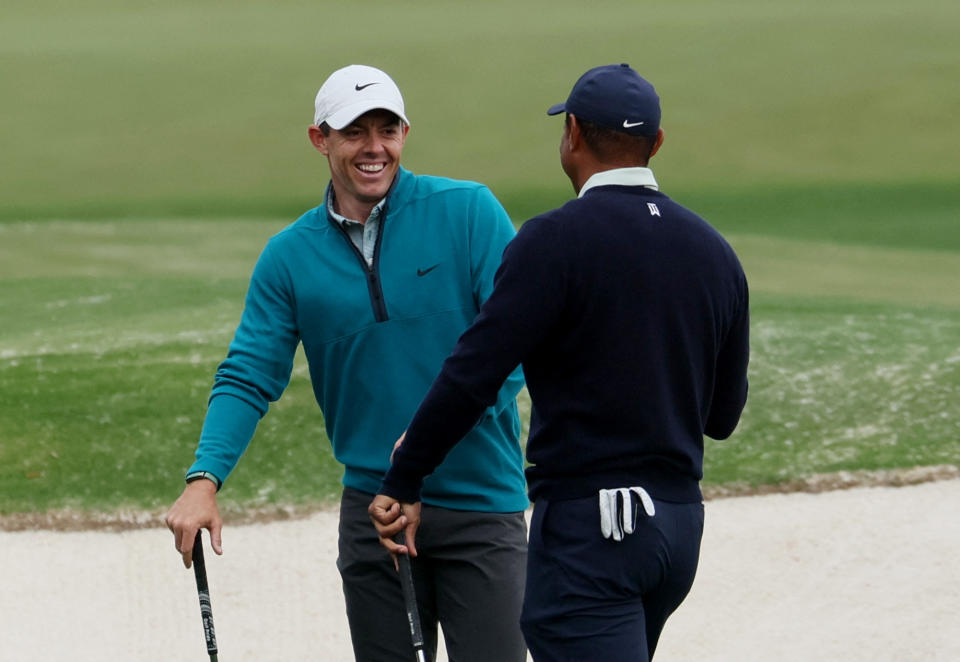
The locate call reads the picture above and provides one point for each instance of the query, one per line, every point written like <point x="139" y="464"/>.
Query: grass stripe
<point x="823" y="269"/>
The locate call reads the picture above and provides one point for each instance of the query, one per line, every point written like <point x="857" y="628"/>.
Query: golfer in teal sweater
<point x="377" y="283"/>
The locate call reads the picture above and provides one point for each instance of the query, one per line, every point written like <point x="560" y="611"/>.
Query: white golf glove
<point x="618" y="512"/>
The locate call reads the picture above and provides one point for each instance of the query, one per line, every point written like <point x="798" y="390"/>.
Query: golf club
<point x="410" y="599"/>
<point x="206" y="611"/>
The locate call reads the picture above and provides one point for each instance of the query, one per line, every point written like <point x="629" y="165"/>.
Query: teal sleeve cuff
<point x="227" y="430"/>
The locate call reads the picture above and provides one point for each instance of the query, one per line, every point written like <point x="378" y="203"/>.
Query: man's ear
<point x="657" y="142"/>
<point x="574" y="137"/>
<point x="317" y="139"/>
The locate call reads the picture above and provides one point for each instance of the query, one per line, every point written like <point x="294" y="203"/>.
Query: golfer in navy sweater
<point x="629" y="314"/>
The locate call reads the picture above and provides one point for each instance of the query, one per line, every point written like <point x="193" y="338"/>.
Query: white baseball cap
<point x="354" y="90"/>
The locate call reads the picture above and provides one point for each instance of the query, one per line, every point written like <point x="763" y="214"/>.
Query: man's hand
<point x="195" y="509"/>
<point x="390" y="517"/>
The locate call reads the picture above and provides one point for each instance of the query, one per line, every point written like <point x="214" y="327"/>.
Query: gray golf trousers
<point x="469" y="574"/>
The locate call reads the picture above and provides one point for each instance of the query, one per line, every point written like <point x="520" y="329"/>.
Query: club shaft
<point x="410" y="600"/>
<point x="203" y="591"/>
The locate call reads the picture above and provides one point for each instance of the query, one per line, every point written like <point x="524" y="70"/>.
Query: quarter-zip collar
<point x="371" y="270"/>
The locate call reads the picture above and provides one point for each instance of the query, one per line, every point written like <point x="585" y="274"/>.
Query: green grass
<point x="788" y="267"/>
<point x="843" y="386"/>
<point x="112" y="332"/>
<point x="149" y="149"/>
<point x="915" y="215"/>
<point x="117" y="429"/>
<point x="141" y="108"/>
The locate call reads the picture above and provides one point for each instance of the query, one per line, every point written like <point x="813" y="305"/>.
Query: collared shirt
<point x="363" y="235"/>
<point x="636" y="176"/>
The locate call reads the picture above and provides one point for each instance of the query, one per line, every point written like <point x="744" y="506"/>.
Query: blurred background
<point x="201" y="108"/>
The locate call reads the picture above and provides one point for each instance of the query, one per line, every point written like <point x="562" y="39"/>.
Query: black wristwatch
<point x="197" y="475"/>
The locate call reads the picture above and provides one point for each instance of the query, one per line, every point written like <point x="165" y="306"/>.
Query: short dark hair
<point x="610" y="145"/>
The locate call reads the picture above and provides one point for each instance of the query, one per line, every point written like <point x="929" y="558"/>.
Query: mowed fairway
<point x="149" y="150"/>
<point x="112" y="332"/>
<point x="107" y="358"/>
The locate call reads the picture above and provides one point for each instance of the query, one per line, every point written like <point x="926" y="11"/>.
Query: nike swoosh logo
<point x="630" y="125"/>
<point x="424" y="272"/>
<point x="359" y="87"/>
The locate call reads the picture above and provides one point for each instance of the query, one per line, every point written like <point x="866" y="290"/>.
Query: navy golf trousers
<point x="592" y="598"/>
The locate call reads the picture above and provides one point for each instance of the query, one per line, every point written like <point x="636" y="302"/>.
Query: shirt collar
<point x="635" y="176"/>
<point x="374" y="213"/>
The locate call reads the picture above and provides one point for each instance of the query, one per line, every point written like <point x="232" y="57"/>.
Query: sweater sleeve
<point x="730" y="384"/>
<point x="255" y="372"/>
<point x="527" y="300"/>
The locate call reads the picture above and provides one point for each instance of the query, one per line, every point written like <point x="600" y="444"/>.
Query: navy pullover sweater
<point x="629" y="314"/>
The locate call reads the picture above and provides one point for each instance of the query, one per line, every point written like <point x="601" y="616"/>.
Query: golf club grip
<point x="206" y="610"/>
<point x="410" y="598"/>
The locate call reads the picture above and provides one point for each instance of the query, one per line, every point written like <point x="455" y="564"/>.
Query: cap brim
<point x="345" y="116"/>
<point x="557" y="109"/>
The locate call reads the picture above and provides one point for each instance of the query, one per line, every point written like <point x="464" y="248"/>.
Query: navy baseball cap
<point x="616" y="97"/>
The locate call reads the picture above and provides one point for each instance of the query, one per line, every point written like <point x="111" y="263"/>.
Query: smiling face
<point x="364" y="158"/>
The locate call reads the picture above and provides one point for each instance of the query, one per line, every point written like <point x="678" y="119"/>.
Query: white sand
<point x="869" y="574"/>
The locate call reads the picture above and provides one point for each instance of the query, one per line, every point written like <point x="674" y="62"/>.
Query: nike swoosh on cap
<point x="359" y="87"/>
<point x="630" y="125"/>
